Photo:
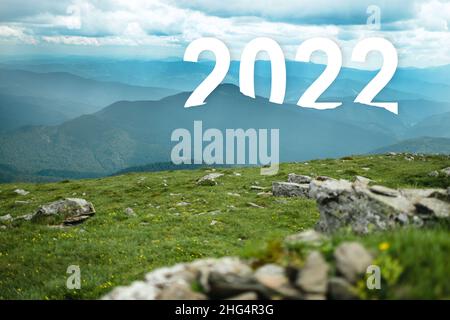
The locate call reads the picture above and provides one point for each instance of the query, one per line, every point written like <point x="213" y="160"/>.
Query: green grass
<point x="113" y="249"/>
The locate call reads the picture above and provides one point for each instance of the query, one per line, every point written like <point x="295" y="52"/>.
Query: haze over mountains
<point x="29" y="98"/>
<point x="58" y="125"/>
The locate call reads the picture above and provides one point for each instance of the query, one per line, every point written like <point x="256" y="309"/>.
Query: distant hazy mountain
<point x="408" y="83"/>
<point x="16" y="112"/>
<point x="28" y="98"/>
<point x="428" y="145"/>
<point x="435" y="126"/>
<point x="136" y="133"/>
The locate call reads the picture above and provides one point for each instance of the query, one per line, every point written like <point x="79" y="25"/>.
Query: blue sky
<point x="160" y="29"/>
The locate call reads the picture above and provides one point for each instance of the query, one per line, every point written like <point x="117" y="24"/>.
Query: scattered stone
<point x="265" y="194"/>
<point x="21" y="192"/>
<point x="183" y="204"/>
<point x="233" y="194"/>
<point x="6" y="218"/>
<point x="213" y="222"/>
<point x="21" y="202"/>
<point x="209" y="179"/>
<point x="340" y="289"/>
<point x="365" y="168"/>
<point x="300" y="179"/>
<point x="26" y="217"/>
<point x="352" y="260"/>
<point x="257" y="188"/>
<point x="446" y="171"/>
<point x="309" y="237"/>
<point x="129" y="212"/>
<point x="433" y="173"/>
<point x="254" y="205"/>
<point x="290" y="189"/>
<point x="312" y="279"/>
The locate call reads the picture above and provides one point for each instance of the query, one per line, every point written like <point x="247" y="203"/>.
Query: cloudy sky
<point x="160" y="29"/>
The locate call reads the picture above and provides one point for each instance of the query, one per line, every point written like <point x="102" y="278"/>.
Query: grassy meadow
<point x="178" y="221"/>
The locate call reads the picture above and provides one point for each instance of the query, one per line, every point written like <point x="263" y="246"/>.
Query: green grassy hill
<point x="173" y="223"/>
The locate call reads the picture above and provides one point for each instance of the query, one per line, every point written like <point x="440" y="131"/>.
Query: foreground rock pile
<point x="232" y="278"/>
<point x="363" y="206"/>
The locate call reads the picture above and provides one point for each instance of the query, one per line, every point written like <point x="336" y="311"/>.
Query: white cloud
<point x="419" y="30"/>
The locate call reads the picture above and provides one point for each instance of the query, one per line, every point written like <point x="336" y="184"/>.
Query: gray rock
<point x="209" y="179"/>
<point x="384" y="191"/>
<point x="340" y="289"/>
<point x="67" y="207"/>
<point x="362" y="180"/>
<point x="274" y="277"/>
<point x="245" y="296"/>
<point x="21" y="192"/>
<point x="129" y="212"/>
<point x="352" y="260"/>
<point x="257" y="188"/>
<point x="365" y="208"/>
<point x="309" y="237"/>
<point x="71" y="221"/>
<point x="290" y="189"/>
<point x="6" y="218"/>
<point x="160" y="283"/>
<point x="312" y="278"/>
<point x="254" y="205"/>
<point x="433" y="173"/>
<point x="433" y="207"/>
<point x="179" y="291"/>
<point x="222" y="286"/>
<point x="74" y="211"/>
<point x="446" y="171"/>
<point x="298" y="178"/>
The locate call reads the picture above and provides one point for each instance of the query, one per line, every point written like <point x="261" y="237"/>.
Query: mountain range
<point x="58" y="125"/>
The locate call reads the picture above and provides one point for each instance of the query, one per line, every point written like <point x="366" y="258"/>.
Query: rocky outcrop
<point x="362" y="207"/>
<point x="236" y="279"/>
<point x="365" y="207"/>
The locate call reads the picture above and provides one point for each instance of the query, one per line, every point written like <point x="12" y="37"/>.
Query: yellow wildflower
<point x="383" y="246"/>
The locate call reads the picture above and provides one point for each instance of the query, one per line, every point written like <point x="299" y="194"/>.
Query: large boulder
<point x="72" y="210"/>
<point x="66" y="207"/>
